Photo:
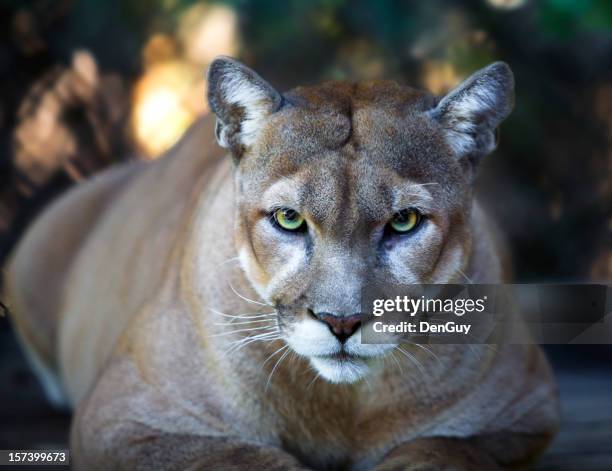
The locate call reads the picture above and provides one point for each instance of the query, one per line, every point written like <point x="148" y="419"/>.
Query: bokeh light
<point x="170" y="95"/>
<point x="439" y="77"/>
<point x="507" y="4"/>
<point x="164" y="105"/>
<point x="208" y="31"/>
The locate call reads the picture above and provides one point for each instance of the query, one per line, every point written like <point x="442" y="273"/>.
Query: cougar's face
<point x="330" y="201"/>
<point x="342" y="185"/>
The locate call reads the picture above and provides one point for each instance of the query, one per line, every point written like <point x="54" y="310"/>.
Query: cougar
<point x="202" y="311"/>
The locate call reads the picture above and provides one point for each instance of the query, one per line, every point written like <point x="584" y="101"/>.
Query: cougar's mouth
<point x="342" y="355"/>
<point x="341" y="367"/>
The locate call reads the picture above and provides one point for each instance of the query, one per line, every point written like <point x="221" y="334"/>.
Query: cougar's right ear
<point x="242" y="101"/>
<point x="470" y="114"/>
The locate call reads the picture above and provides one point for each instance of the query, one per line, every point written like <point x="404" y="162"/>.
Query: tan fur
<point x="120" y="288"/>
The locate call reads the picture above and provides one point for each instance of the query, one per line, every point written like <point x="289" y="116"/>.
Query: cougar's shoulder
<point x="103" y="246"/>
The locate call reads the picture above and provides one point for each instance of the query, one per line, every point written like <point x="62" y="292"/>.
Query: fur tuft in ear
<point x="471" y="113"/>
<point x="242" y="100"/>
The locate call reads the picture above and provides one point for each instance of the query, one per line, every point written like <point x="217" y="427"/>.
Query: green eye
<point x="289" y="219"/>
<point x="405" y="220"/>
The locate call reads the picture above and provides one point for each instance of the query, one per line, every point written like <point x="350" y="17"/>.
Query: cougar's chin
<point x="340" y="368"/>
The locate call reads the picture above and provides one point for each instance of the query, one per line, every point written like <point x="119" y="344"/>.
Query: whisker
<point x="397" y="362"/>
<point x="252" y="337"/>
<point x="314" y="380"/>
<point x="223" y="334"/>
<point x="469" y="280"/>
<point x="276" y="366"/>
<point x="246" y="315"/>
<point x="428" y="350"/>
<point x="271" y="317"/>
<point x="417" y="194"/>
<point x="246" y="322"/>
<point x="247" y="299"/>
<point x="476" y="351"/>
<point x="471" y="336"/>
<point x="274" y="354"/>
<point x="412" y="359"/>
<point x="240" y="344"/>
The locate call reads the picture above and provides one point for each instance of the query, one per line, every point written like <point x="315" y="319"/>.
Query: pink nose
<point x="341" y="326"/>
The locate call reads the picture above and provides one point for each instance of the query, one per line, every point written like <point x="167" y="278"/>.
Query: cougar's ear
<point x="242" y="100"/>
<point x="470" y="114"/>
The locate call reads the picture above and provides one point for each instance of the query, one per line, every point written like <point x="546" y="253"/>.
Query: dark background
<point x="85" y="84"/>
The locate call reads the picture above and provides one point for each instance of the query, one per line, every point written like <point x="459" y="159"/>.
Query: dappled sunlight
<point x="170" y="95"/>
<point x="165" y="104"/>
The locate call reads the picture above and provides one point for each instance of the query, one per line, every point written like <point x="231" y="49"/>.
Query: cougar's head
<point x="343" y="184"/>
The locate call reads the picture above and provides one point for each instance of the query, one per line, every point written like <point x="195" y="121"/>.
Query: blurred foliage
<point x="565" y="18"/>
<point x="550" y="182"/>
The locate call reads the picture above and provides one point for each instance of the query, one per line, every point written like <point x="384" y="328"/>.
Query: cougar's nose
<point x="341" y="326"/>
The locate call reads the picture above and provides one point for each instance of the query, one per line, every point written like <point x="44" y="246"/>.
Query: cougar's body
<point x="135" y="295"/>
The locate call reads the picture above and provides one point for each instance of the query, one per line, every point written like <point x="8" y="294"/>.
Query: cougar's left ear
<point x="471" y="113"/>
<point x="242" y="100"/>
